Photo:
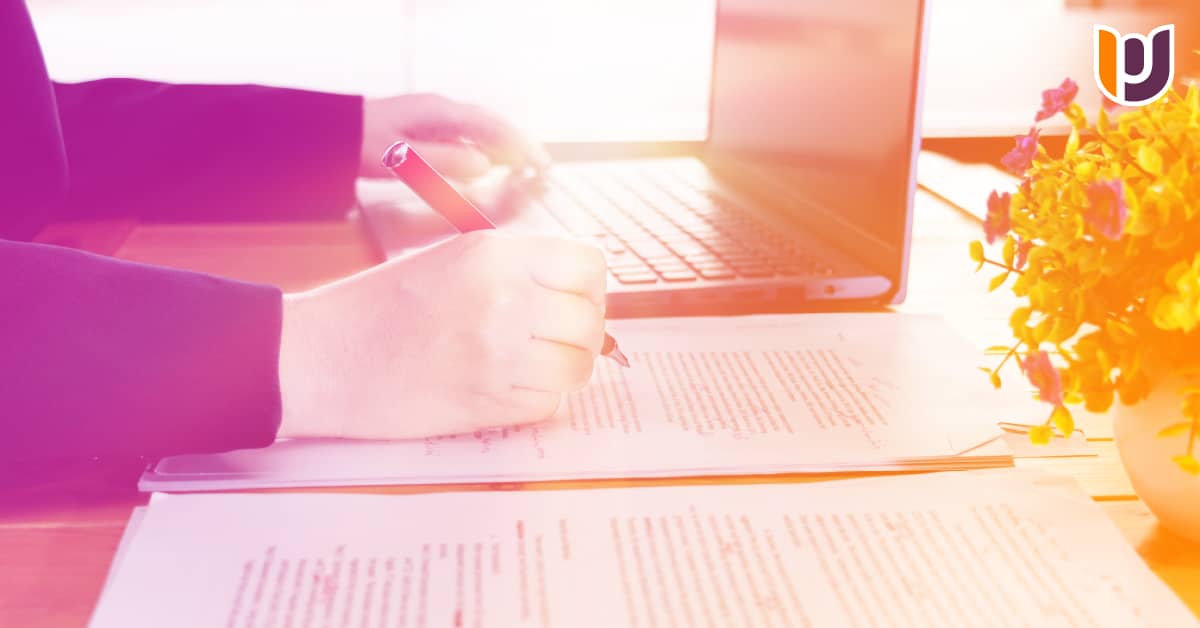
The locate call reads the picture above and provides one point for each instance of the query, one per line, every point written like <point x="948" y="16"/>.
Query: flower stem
<point x="1121" y="152"/>
<point x="1004" y="266"/>
<point x="1011" y="352"/>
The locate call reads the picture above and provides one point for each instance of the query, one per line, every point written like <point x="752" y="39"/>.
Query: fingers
<point x="437" y="125"/>
<point x="568" y="319"/>
<point x="552" y="367"/>
<point x="568" y="266"/>
<point x="459" y="161"/>
<point x="448" y="121"/>
<point x="498" y="138"/>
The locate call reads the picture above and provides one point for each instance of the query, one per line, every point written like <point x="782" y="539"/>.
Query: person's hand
<point x="482" y="330"/>
<point x="457" y="139"/>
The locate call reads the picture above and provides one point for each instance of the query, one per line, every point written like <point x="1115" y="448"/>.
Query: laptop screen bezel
<point x="893" y="265"/>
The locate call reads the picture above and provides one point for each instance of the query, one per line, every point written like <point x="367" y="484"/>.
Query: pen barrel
<point x="434" y="189"/>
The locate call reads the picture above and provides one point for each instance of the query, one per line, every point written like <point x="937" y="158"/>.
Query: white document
<point x="131" y="528"/>
<point x="996" y="548"/>
<point x="966" y="186"/>
<point x="705" y="396"/>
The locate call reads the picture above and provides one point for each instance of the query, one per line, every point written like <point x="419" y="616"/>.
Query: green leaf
<point x="997" y="281"/>
<point x="1188" y="463"/>
<point x="1072" y="143"/>
<point x="1063" y="420"/>
<point x="1040" y="435"/>
<point x="976" y="249"/>
<point x="1176" y="429"/>
<point x="1150" y="160"/>
<point x="1019" y="317"/>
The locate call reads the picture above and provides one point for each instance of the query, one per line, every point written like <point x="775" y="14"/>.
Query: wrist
<point x="303" y="384"/>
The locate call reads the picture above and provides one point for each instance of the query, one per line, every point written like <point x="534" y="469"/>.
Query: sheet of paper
<point x="131" y="528"/>
<point x="764" y="394"/>
<point x="966" y="186"/>
<point x="996" y="548"/>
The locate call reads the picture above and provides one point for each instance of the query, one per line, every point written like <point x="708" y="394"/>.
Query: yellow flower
<point x="1102" y="245"/>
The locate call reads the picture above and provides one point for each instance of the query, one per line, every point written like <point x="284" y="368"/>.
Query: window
<point x="566" y="70"/>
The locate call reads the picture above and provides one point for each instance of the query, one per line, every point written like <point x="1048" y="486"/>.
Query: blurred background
<point x="571" y="70"/>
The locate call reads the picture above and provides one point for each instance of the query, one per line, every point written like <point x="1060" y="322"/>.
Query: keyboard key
<point x="701" y="258"/>
<point x="614" y="246"/>
<point x="647" y="250"/>
<point x="725" y="249"/>
<point x="679" y="275"/>
<point x="670" y="266"/>
<point x="710" y="264"/>
<point x="754" y="271"/>
<point x="704" y="232"/>
<point x="743" y="260"/>
<point x="688" y="248"/>
<point x="675" y="237"/>
<point x="628" y="269"/>
<point x="637" y="278"/>
<point x="716" y="272"/>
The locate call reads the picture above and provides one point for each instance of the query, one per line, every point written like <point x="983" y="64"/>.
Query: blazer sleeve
<point x="208" y="152"/>
<point x="105" y="357"/>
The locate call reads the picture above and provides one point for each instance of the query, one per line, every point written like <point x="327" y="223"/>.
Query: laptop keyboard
<point x="665" y="223"/>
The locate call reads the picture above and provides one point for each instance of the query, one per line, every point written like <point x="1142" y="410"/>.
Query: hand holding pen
<point x="440" y="195"/>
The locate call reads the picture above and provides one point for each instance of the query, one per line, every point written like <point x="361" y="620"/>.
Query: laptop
<point x="800" y="197"/>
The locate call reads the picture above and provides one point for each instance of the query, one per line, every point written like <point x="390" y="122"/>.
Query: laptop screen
<point x="828" y="90"/>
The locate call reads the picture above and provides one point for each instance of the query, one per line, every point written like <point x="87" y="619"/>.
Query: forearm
<point x="108" y="357"/>
<point x="208" y="152"/>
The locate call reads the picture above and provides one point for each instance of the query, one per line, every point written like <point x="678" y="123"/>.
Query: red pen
<point x="436" y="191"/>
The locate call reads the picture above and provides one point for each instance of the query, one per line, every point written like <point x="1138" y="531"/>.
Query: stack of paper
<point x="963" y="185"/>
<point x="752" y="395"/>
<point x="998" y="548"/>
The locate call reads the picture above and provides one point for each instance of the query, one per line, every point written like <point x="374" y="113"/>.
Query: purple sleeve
<point x="105" y="357"/>
<point x="208" y="152"/>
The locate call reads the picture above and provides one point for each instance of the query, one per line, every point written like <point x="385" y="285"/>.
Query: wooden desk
<point x="57" y="540"/>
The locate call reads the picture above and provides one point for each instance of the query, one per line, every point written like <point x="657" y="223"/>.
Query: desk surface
<point x="57" y="540"/>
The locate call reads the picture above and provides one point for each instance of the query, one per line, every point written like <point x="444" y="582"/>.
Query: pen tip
<point x="618" y="357"/>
